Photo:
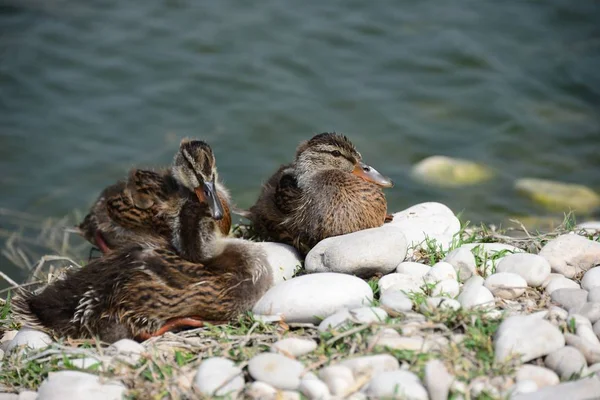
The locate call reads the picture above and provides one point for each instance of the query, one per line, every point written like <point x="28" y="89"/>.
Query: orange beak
<point x="370" y="174"/>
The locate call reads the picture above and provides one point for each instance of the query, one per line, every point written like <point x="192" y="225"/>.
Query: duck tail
<point x="21" y="310"/>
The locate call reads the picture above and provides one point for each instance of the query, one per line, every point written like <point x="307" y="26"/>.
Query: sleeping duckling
<point x="141" y="290"/>
<point x="137" y="210"/>
<point x="327" y="191"/>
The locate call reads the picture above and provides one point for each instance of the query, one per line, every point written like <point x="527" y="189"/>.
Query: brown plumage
<point x="138" y="209"/>
<point x="327" y="191"/>
<point x="142" y="290"/>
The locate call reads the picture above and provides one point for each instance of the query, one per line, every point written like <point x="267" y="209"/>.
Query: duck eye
<point x="336" y="153"/>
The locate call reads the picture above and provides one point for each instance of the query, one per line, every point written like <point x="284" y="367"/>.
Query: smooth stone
<point x="336" y="320"/>
<point x="63" y="385"/>
<point x="412" y="343"/>
<point x="289" y="395"/>
<point x="451" y="172"/>
<point x="362" y="253"/>
<point x="371" y="364"/>
<point x="557" y="313"/>
<point x="596" y="329"/>
<point x="85" y="362"/>
<point x="366" y="315"/>
<point x="594" y="368"/>
<point x="569" y="298"/>
<point x="571" y="254"/>
<point x="28" y="395"/>
<point x="552" y="276"/>
<point x="491" y="250"/>
<point x="277" y="370"/>
<point x="523" y="387"/>
<point x="414" y="269"/>
<point x="431" y="304"/>
<point x="396" y="385"/>
<point x="440" y="271"/>
<point x="437" y="380"/>
<point x="30" y="338"/>
<point x="395" y="302"/>
<point x="528" y="336"/>
<point x="6" y="338"/>
<point x="591" y="311"/>
<point x="540" y="375"/>
<point x="294" y="346"/>
<point x="531" y="267"/>
<point x="400" y="282"/>
<point x="431" y="220"/>
<point x="306" y="298"/>
<point x="446" y="288"/>
<point x="129" y="350"/>
<point x="582" y="389"/>
<point x="591" y="351"/>
<point x="583" y="328"/>
<point x="9" y="396"/>
<point x="558" y="196"/>
<point x="566" y="362"/>
<point x="260" y="391"/>
<point x="219" y="376"/>
<point x="561" y="283"/>
<point x="591" y="279"/>
<point x="463" y="261"/>
<point x="506" y="285"/>
<point x="590" y="227"/>
<point x="338" y="378"/>
<point x="594" y="295"/>
<point x="314" y="389"/>
<point x="283" y="259"/>
<point x="476" y="297"/>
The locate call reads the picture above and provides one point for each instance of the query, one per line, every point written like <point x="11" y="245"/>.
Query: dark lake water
<point x="89" y="89"/>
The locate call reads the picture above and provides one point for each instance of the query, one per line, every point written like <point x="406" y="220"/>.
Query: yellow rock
<point x="447" y="171"/>
<point x="559" y="196"/>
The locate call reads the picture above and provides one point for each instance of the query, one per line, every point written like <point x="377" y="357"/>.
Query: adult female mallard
<point x="138" y="210"/>
<point x="327" y="191"/>
<point x="142" y="290"/>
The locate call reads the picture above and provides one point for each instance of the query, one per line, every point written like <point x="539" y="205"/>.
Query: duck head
<point x="195" y="168"/>
<point x="334" y="151"/>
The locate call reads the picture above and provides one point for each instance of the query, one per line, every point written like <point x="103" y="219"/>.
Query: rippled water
<point x="89" y="89"/>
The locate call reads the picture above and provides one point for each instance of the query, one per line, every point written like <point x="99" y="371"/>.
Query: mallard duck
<point x="136" y="210"/>
<point x="142" y="290"/>
<point x="327" y="191"/>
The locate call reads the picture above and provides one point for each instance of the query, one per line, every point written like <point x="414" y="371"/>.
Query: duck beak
<point x="207" y="193"/>
<point x="370" y="174"/>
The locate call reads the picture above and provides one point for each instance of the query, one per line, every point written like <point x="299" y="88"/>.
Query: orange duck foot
<point x="101" y="243"/>
<point x="177" y="323"/>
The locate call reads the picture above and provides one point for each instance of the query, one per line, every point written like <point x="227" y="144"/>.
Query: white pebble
<point x="314" y="389"/>
<point x="362" y="253"/>
<point x="540" y="375"/>
<point x="414" y="269"/>
<point x="294" y="346"/>
<point x="566" y="361"/>
<point x="571" y="254"/>
<point x="583" y="328"/>
<point x="366" y="315"/>
<point x="371" y="364"/>
<point x="443" y="303"/>
<point x="561" y="283"/>
<point x="308" y="297"/>
<point x="30" y="338"/>
<point x="582" y="389"/>
<point x="279" y="371"/>
<point x="260" y="391"/>
<point x="399" y="282"/>
<point x="219" y="376"/>
<point x="437" y="380"/>
<point x="591" y="279"/>
<point x="531" y="267"/>
<point x="439" y="272"/>
<point x="338" y="378"/>
<point x="594" y="295"/>
<point x="463" y="261"/>
<point x="337" y="320"/>
<point x="506" y="285"/>
<point x="524" y="387"/>
<point x="474" y="294"/>
<point x="395" y="302"/>
<point x="590" y="351"/>
<point x="447" y="288"/>
<point x="591" y="311"/>
<point x="129" y="350"/>
<point x="569" y="298"/>
<point x="283" y="259"/>
<point x="63" y="385"/>
<point x="28" y="395"/>
<point x="397" y="385"/>
<point x="528" y="336"/>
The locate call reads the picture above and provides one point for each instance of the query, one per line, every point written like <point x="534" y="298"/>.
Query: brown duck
<point x="137" y="210"/>
<point x="141" y="290"/>
<point x="327" y="191"/>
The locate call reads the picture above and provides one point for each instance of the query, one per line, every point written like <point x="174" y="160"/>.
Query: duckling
<point x="141" y="290"/>
<point x="135" y="210"/>
<point x="327" y="191"/>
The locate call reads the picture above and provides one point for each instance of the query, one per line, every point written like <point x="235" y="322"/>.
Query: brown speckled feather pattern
<point x="137" y="289"/>
<point x="138" y="210"/>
